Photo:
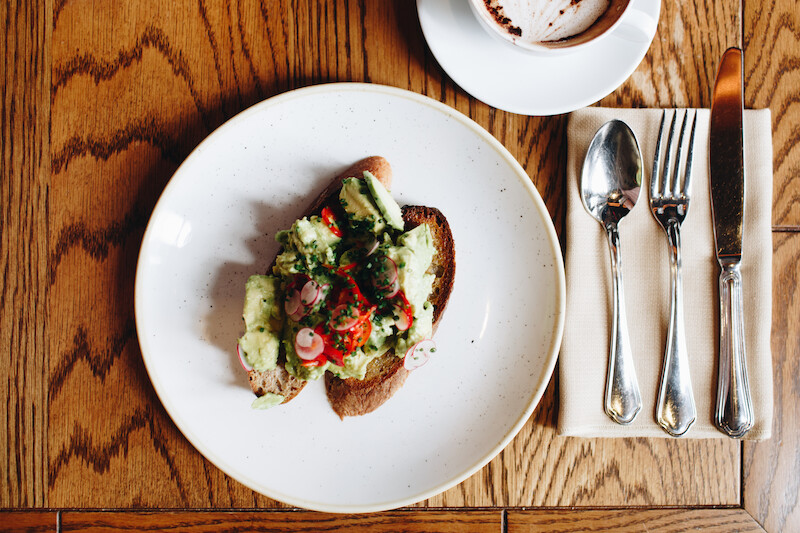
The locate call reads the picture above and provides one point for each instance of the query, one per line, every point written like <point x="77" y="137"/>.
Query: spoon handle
<point x="622" y="398"/>
<point x="675" y="407"/>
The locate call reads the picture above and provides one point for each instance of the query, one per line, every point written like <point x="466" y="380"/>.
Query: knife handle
<point x="734" y="412"/>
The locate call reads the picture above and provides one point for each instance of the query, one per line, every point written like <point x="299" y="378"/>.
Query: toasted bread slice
<point x="278" y="380"/>
<point x="386" y="374"/>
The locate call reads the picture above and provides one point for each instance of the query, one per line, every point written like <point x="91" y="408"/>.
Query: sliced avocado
<point x="388" y="207"/>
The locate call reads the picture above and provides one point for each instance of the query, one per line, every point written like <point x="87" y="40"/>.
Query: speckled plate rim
<point x="537" y="388"/>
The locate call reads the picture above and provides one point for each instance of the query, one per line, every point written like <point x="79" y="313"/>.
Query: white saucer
<point x="525" y="84"/>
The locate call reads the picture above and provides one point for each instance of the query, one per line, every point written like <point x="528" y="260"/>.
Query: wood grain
<point x="539" y="468"/>
<point x="772" y="78"/>
<point x="202" y="522"/>
<point x="28" y="521"/>
<point x="24" y="178"/>
<point x="632" y="520"/>
<point x="771" y="469"/>
<point x="680" y="66"/>
<point x="159" y="83"/>
<point x="165" y="80"/>
<point x="102" y="101"/>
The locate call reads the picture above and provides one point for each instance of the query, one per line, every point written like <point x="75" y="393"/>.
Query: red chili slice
<point x="360" y="333"/>
<point x="349" y="292"/>
<point x="319" y="361"/>
<point x="330" y="220"/>
<point x="330" y="352"/>
<point x="340" y="344"/>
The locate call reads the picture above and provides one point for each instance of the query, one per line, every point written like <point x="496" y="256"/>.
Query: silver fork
<point x="669" y="202"/>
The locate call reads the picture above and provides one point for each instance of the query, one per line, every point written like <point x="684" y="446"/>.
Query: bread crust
<point x="279" y="380"/>
<point x="356" y="397"/>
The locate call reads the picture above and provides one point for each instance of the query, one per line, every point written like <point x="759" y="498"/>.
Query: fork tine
<point x="656" y="175"/>
<point x="687" y="180"/>
<point x="668" y="156"/>
<point x="675" y="180"/>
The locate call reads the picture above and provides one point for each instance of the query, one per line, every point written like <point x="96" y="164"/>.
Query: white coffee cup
<point x="622" y="17"/>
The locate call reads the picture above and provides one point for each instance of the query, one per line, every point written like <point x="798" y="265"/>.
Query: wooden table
<point x="103" y="99"/>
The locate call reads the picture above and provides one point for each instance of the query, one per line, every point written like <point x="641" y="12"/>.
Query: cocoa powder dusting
<point x="501" y="19"/>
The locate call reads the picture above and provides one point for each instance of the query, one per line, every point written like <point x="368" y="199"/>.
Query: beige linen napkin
<point x="646" y="279"/>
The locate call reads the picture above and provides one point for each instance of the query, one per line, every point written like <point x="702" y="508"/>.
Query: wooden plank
<point x="129" y="104"/>
<point x="539" y="468"/>
<point x="772" y="76"/>
<point x="771" y="469"/>
<point x="680" y="66"/>
<point x="28" y="521"/>
<point x="631" y="520"/>
<point x="24" y="172"/>
<point x="771" y="488"/>
<point x="280" y="521"/>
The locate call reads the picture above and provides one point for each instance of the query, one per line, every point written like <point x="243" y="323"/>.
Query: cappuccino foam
<point x="534" y="21"/>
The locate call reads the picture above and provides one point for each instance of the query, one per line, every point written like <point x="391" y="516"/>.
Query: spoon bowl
<point x="612" y="173"/>
<point x="610" y="183"/>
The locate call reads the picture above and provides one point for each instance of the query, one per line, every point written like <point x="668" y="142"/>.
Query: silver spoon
<point x="610" y="182"/>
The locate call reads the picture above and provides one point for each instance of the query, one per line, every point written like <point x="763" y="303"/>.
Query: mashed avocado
<point x="267" y="401"/>
<point x="308" y="244"/>
<point x="263" y="321"/>
<point x="363" y="214"/>
<point x="349" y="285"/>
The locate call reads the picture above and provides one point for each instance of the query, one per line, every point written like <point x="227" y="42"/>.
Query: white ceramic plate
<point x="493" y="72"/>
<point x="497" y="343"/>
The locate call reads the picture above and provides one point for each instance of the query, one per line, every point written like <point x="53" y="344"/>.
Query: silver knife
<point x="734" y="409"/>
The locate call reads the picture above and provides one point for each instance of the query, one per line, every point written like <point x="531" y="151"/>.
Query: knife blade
<point x="734" y="411"/>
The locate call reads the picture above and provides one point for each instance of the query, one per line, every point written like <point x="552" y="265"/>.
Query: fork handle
<point x="734" y="412"/>
<point x="675" y="407"/>
<point x="622" y="398"/>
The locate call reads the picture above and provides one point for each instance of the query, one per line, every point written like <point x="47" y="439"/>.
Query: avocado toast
<point x="354" y="294"/>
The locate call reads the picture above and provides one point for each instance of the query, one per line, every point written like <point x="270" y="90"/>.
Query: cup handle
<point x="637" y="25"/>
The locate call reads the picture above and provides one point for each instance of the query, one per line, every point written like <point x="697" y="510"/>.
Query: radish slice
<point x="292" y="303"/>
<point x="299" y="314"/>
<point x="403" y="322"/>
<point x="308" y="344"/>
<point x="339" y="319"/>
<point x="295" y="304"/>
<point x="371" y="247"/>
<point x="310" y="292"/>
<point x="323" y="291"/>
<point x="388" y="276"/>
<point x="418" y="355"/>
<point x="242" y="360"/>
<point x="393" y="289"/>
